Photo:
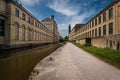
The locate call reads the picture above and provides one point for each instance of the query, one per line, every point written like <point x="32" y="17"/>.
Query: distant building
<point x="51" y="24"/>
<point x="73" y="35"/>
<point x="103" y="30"/>
<point x="18" y="27"/>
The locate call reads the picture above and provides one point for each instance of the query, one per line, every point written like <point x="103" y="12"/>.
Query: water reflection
<point x="19" y="65"/>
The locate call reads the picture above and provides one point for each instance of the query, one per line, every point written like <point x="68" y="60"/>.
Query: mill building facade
<point x="103" y="30"/>
<point x="18" y="27"/>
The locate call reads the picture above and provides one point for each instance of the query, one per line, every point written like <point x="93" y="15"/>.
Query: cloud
<point x="63" y="29"/>
<point x="81" y="17"/>
<point x="63" y="7"/>
<point x="72" y="20"/>
<point x="29" y="3"/>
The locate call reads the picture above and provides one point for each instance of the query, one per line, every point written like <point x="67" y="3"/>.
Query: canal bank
<point x="20" y="65"/>
<point x="72" y="63"/>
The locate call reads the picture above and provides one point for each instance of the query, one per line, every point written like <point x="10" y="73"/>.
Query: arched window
<point x="32" y="34"/>
<point x="35" y="35"/>
<point x="16" y="30"/>
<point x="23" y="32"/>
<point x="29" y="34"/>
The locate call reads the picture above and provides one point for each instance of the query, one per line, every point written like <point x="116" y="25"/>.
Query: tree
<point x="63" y="39"/>
<point x="66" y="38"/>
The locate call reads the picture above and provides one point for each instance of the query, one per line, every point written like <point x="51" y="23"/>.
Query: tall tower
<point x="69" y="29"/>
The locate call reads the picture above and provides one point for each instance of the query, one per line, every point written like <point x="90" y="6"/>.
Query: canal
<point x="20" y="65"/>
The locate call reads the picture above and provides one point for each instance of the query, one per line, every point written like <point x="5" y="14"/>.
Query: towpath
<point x="71" y="63"/>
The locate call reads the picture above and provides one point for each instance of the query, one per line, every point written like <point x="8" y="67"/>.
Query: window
<point x="111" y="13"/>
<point x="29" y="34"/>
<point x="23" y="32"/>
<point x="92" y="33"/>
<point x="2" y="27"/>
<point x="32" y="22"/>
<point x="104" y="17"/>
<point x="92" y="23"/>
<point x="17" y="12"/>
<point x="88" y="34"/>
<point x="88" y="25"/>
<point x="95" y="32"/>
<point x="36" y="24"/>
<point x="104" y="30"/>
<point x="29" y="19"/>
<point x="23" y="16"/>
<point x="111" y="28"/>
<point x="96" y="21"/>
<point x="16" y="31"/>
<point x="99" y="19"/>
<point x="99" y="31"/>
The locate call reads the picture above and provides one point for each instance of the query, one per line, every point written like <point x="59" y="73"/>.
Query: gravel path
<point x="71" y="63"/>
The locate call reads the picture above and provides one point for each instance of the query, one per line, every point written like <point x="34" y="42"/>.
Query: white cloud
<point x="81" y="18"/>
<point x="29" y="3"/>
<point x="72" y="12"/>
<point x="76" y="19"/>
<point x="63" y="29"/>
<point x="63" y="7"/>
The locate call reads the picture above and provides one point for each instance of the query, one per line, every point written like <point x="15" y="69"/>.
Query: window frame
<point x="104" y="30"/>
<point x="110" y="13"/>
<point x="23" y="16"/>
<point x="2" y="27"/>
<point x="99" y="31"/>
<point x="95" y="21"/>
<point x="96" y="32"/>
<point x="111" y="28"/>
<point x="17" y="12"/>
<point x="104" y="17"/>
<point x="99" y="19"/>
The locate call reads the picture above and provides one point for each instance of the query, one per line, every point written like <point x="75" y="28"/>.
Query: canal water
<point x="20" y="65"/>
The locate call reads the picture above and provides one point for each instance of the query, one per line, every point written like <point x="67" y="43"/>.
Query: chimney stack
<point x="52" y="16"/>
<point x="69" y="29"/>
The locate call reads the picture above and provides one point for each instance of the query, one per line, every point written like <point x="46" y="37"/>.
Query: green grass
<point x="108" y="55"/>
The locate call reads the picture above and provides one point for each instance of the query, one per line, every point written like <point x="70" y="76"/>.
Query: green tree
<point x="66" y="38"/>
<point x="61" y="39"/>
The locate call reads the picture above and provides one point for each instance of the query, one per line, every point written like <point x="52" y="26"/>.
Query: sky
<point x="65" y="11"/>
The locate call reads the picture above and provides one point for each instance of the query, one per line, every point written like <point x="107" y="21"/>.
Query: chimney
<point x="52" y="16"/>
<point x="69" y="28"/>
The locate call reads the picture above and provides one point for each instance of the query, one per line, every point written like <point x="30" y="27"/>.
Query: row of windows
<point x="99" y="20"/>
<point x="2" y="27"/>
<point x="95" y="32"/>
<point x="29" y="33"/>
<point x="30" y="20"/>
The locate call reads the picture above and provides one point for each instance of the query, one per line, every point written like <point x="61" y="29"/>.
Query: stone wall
<point x="82" y="41"/>
<point x="99" y="42"/>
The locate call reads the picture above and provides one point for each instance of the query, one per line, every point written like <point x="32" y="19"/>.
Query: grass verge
<point x="110" y="56"/>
